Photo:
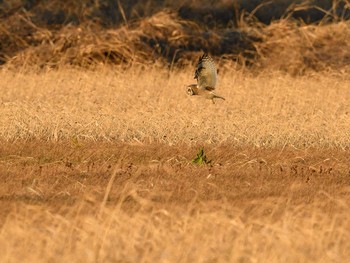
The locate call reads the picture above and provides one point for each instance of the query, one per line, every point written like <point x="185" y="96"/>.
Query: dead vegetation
<point x="97" y="166"/>
<point x="150" y="104"/>
<point x="106" y="163"/>
<point x="296" y="49"/>
<point x="101" y="202"/>
<point x="87" y="34"/>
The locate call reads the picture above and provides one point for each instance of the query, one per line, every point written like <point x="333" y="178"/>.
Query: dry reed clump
<point x="162" y="36"/>
<point x="82" y="34"/>
<point x="296" y="49"/>
<point x="72" y="45"/>
<point x="283" y="45"/>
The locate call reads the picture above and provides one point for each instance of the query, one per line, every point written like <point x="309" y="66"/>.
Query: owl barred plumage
<point x="206" y="75"/>
<point x="206" y="72"/>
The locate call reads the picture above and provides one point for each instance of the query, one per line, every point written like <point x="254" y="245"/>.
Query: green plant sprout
<point x="201" y="157"/>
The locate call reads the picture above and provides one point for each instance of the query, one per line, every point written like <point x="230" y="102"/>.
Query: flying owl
<point x="206" y="75"/>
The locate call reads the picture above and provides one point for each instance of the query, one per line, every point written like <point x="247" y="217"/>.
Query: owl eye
<point x="189" y="91"/>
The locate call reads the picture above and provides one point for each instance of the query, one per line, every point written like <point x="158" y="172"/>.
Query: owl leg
<point x="219" y="97"/>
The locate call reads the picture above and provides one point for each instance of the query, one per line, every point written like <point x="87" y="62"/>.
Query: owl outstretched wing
<point x="206" y="73"/>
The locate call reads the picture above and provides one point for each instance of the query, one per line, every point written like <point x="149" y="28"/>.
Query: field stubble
<point x="97" y="167"/>
<point x="151" y="105"/>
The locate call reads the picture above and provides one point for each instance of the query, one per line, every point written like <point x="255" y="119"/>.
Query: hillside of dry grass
<point x="314" y="36"/>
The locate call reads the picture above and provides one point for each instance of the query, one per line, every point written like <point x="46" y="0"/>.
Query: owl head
<point x="192" y="89"/>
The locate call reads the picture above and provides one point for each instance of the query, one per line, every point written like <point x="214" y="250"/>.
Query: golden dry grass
<point x="151" y="105"/>
<point x="112" y="202"/>
<point x="96" y="167"/>
<point x="96" y="159"/>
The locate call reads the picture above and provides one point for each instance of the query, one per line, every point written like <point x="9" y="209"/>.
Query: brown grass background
<point x="97" y="134"/>
<point x="264" y="34"/>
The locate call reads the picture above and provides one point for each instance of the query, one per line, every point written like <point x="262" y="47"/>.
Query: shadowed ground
<point x="272" y="198"/>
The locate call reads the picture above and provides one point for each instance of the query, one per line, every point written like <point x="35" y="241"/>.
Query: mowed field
<point x="96" y="166"/>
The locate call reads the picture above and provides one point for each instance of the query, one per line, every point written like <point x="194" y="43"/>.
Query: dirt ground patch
<point x="48" y="185"/>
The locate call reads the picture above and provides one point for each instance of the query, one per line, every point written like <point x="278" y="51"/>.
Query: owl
<point x="206" y="75"/>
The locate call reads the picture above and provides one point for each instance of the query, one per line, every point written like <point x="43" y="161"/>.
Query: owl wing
<point x="206" y="73"/>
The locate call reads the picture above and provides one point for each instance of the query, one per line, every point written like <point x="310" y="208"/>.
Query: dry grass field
<point x="96" y="166"/>
<point x="150" y="105"/>
<point x="98" y="136"/>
